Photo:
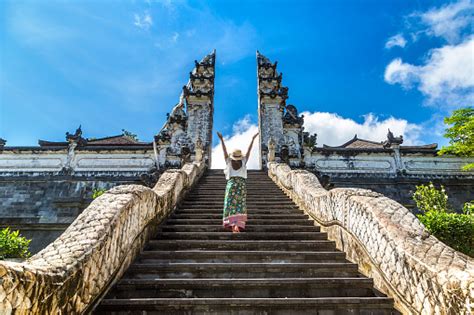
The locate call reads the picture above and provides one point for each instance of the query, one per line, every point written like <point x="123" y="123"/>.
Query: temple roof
<point x="111" y="141"/>
<point x="114" y="140"/>
<point x="357" y="143"/>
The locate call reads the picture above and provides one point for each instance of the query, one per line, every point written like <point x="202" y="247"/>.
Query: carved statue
<point x="271" y="150"/>
<point x="285" y="154"/>
<point x="199" y="150"/>
<point x="185" y="155"/>
<point x="290" y="144"/>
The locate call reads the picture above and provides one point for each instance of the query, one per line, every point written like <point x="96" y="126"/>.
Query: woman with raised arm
<point x="235" y="202"/>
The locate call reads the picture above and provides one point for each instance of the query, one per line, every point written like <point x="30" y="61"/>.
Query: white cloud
<point x="143" y="21"/>
<point x="399" y="72"/>
<point x="175" y="37"/>
<point x="243" y="131"/>
<point x="448" y="21"/>
<point x="334" y="130"/>
<point x="396" y="40"/>
<point x="446" y="78"/>
<point x="331" y="128"/>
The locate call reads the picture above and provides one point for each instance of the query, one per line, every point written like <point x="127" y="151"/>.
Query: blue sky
<point x="351" y="66"/>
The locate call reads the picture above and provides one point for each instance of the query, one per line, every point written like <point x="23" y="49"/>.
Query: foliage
<point x="460" y="134"/>
<point x="468" y="208"/>
<point x="428" y="198"/>
<point x="13" y="245"/>
<point x="130" y="135"/>
<point x="98" y="192"/>
<point x="454" y="229"/>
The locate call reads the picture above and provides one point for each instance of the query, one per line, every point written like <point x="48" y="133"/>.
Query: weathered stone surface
<point x="389" y="243"/>
<point x="42" y="207"/>
<point x="72" y="272"/>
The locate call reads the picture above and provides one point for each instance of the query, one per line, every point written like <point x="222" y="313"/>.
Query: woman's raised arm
<point x="247" y="156"/>
<point x="226" y="156"/>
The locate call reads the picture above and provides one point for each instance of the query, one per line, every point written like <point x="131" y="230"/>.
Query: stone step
<point x="248" y="228"/>
<point x="250" y="216"/>
<point x="250" y="210"/>
<point x="257" y="197"/>
<point x="219" y="206"/>
<point x="281" y="264"/>
<point x="268" y="204"/>
<point x="242" y="236"/>
<point x="250" y="183"/>
<point x="252" y="188"/>
<point x="221" y="191"/>
<point x="274" y="306"/>
<point x="241" y="270"/>
<point x="243" y="288"/>
<point x="214" y="256"/>
<point x="250" y="222"/>
<point x="245" y="245"/>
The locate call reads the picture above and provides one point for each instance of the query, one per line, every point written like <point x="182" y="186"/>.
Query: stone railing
<point x="422" y="274"/>
<point x="73" y="272"/>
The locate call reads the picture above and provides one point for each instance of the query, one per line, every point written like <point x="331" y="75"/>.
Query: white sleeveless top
<point x="230" y="172"/>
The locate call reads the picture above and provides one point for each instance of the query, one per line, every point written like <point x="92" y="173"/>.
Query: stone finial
<point x="76" y="137"/>
<point x="271" y="150"/>
<point x="199" y="150"/>
<point x="392" y="140"/>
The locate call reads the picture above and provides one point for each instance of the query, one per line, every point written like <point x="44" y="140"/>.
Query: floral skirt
<point x="235" y="203"/>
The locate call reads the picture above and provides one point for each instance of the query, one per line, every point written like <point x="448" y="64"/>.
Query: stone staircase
<point x="281" y="264"/>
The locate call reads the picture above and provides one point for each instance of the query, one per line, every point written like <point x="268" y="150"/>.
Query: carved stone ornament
<point x="392" y="140"/>
<point x="199" y="150"/>
<point x="271" y="150"/>
<point x="163" y="137"/>
<point x="285" y="154"/>
<point x="198" y="93"/>
<point x="185" y="155"/>
<point x="76" y="137"/>
<point x="291" y="116"/>
<point x="178" y="115"/>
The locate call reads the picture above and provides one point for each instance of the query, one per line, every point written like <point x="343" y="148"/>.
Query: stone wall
<point x="385" y="162"/>
<point x="401" y="188"/>
<point x="42" y="207"/>
<point x="388" y="242"/>
<point x="73" y="272"/>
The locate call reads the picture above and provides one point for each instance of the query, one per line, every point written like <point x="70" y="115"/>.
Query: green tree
<point x="454" y="229"/>
<point x="130" y="135"/>
<point x="98" y="192"/>
<point x="13" y="245"/>
<point x="460" y="134"/>
<point x="428" y="198"/>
